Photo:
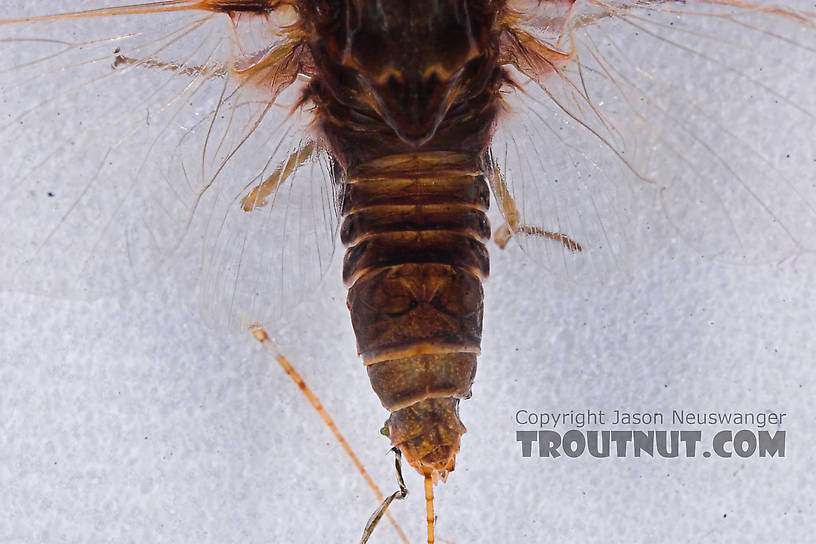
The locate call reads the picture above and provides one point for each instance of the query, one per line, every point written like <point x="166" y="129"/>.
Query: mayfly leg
<point x="506" y="231"/>
<point x="272" y="348"/>
<point x="259" y="195"/>
<point x="400" y="494"/>
<point x="120" y="60"/>
<point x="512" y="217"/>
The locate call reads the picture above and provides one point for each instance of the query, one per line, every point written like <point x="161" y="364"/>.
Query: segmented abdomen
<point x="415" y="227"/>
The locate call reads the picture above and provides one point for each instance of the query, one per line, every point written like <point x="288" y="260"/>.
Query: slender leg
<point x="271" y="347"/>
<point x="257" y="197"/>
<point x="192" y="71"/>
<point x="513" y="218"/>
<point x="399" y="494"/>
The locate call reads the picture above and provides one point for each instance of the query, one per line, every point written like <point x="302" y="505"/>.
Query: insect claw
<point x="502" y="236"/>
<point x="399" y="494"/>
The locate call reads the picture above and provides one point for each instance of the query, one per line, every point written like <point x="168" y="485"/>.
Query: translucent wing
<point x="700" y="111"/>
<point x="270" y="237"/>
<point x="130" y="131"/>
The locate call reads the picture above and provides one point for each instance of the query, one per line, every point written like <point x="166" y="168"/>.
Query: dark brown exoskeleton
<point x="404" y="95"/>
<point x="406" y="98"/>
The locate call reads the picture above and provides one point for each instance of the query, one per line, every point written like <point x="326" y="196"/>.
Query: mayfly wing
<point x="130" y="131"/>
<point x="264" y="253"/>
<point x="700" y="111"/>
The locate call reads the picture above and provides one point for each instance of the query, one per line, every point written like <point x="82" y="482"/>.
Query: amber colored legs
<point x="257" y="197"/>
<point x="273" y="350"/>
<point x="513" y="218"/>
<point x="429" y="507"/>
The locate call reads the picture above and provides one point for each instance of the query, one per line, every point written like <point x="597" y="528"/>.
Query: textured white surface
<point x="125" y="420"/>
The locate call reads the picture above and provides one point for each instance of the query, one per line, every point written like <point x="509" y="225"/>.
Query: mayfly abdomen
<point x="415" y="228"/>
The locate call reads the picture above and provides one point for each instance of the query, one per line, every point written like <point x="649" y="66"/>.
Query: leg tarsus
<point x="513" y="217"/>
<point x="261" y="336"/>
<point x="504" y="233"/>
<point x="399" y="494"/>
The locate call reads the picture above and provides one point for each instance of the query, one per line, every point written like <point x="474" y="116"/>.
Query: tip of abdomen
<point x="428" y="434"/>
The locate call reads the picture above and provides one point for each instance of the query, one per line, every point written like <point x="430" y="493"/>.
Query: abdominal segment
<point x="415" y="227"/>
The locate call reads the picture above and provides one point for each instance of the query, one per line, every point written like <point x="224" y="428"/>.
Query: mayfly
<point x="262" y="128"/>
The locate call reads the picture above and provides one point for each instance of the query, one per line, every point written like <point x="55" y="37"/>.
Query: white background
<point x="125" y="420"/>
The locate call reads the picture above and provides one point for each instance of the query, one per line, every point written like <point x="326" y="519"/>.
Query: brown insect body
<point x="612" y="108"/>
<point x="415" y="293"/>
<point x="406" y="96"/>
